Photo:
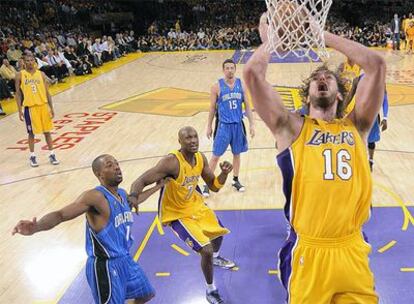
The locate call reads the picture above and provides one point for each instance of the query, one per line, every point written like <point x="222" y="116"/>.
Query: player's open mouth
<point x="322" y="87"/>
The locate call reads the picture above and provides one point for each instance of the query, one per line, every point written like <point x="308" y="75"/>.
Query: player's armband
<point x="217" y="184"/>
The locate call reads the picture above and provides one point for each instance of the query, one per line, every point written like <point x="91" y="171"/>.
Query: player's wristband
<point x="217" y="184"/>
<point x="133" y="194"/>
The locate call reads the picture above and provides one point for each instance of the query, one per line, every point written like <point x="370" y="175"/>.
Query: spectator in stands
<point x="13" y="54"/>
<point x="58" y="65"/>
<point x="395" y="30"/>
<point x="113" y="48"/>
<point x="8" y="73"/>
<point x="71" y="57"/>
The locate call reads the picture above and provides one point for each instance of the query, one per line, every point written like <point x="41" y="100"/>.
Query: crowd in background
<point x="66" y="40"/>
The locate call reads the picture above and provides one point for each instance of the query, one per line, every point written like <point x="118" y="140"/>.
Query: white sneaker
<point x="33" y="162"/>
<point x="53" y="160"/>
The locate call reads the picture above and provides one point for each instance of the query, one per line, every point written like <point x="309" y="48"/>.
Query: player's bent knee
<point x="207" y="251"/>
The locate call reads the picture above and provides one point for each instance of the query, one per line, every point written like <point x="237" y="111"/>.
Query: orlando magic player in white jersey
<point x="226" y="103"/>
<point x="112" y="274"/>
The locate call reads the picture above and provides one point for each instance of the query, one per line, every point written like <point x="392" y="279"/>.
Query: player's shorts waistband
<point x="331" y="242"/>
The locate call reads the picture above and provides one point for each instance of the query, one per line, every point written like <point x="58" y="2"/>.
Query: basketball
<point x="296" y="26"/>
<point x="288" y="19"/>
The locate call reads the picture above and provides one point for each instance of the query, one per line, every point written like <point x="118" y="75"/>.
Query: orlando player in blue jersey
<point x="112" y="274"/>
<point x="226" y="103"/>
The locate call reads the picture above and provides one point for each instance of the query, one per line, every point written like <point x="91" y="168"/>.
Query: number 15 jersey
<point x="181" y="197"/>
<point x="326" y="179"/>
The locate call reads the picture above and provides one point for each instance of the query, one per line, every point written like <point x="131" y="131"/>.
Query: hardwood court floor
<point x="134" y="113"/>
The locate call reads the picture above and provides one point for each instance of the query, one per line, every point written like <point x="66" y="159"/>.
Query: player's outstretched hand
<point x="25" y="227"/>
<point x="226" y="167"/>
<point x="263" y="28"/>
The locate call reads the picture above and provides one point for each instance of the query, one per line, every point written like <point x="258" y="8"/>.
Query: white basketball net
<point x="296" y="26"/>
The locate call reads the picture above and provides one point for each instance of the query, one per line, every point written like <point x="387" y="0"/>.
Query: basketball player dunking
<point x="327" y="181"/>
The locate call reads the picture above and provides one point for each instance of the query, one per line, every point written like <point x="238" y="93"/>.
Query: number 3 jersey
<point x="33" y="88"/>
<point x="181" y="197"/>
<point x="326" y="179"/>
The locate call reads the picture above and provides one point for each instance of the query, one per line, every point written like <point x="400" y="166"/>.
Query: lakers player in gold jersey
<point x="182" y="207"/>
<point x="35" y="106"/>
<point x="326" y="176"/>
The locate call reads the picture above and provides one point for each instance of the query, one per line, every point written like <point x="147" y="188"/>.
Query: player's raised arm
<point x="87" y="200"/>
<point x="370" y="91"/>
<point x="267" y="103"/>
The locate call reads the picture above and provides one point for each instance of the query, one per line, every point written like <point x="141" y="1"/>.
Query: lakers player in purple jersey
<point x="227" y="98"/>
<point x="112" y="274"/>
<point x="326" y="176"/>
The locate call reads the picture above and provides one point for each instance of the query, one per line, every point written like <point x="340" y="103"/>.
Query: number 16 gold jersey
<point x="327" y="181"/>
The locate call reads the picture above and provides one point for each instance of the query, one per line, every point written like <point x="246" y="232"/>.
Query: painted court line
<point x="387" y="246"/>
<point x="407" y="269"/>
<point x="273" y="272"/>
<point x="179" y="249"/>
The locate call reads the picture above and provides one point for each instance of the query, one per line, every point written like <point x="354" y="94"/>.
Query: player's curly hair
<point x="304" y="89"/>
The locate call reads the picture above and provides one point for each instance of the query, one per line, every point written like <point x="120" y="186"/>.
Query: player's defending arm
<point x="370" y="90"/>
<point x="147" y="193"/>
<point x="215" y="183"/>
<point x="212" y="111"/>
<point x="166" y="167"/>
<point x="285" y="126"/>
<point x="87" y="200"/>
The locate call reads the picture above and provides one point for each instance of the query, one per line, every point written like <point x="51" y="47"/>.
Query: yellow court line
<point x="386" y="247"/>
<point x="235" y="268"/>
<point x="273" y="272"/>
<point x="407" y="269"/>
<point x="179" y="249"/>
<point x="162" y="274"/>
<point x="146" y="238"/>
<point x="159" y="226"/>
<point x="408" y="217"/>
